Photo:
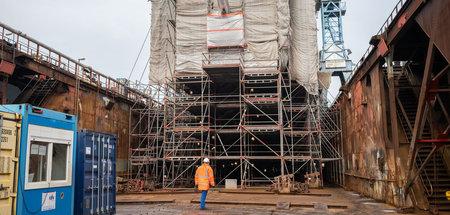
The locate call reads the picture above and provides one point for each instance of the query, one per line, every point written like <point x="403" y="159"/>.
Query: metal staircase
<point x="42" y="89"/>
<point x="435" y="176"/>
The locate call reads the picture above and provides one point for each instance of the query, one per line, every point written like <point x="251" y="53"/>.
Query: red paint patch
<point x="71" y="89"/>
<point x="357" y="99"/>
<point x="371" y="115"/>
<point x="401" y="22"/>
<point x="357" y="95"/>
<point x="7" y="67"/>
<point x="434" y="85"/>
<point x="382" y="48"/>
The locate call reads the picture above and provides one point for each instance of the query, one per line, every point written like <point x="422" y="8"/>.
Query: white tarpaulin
<point x="283" y="23"/>
<point x="324" y="79"/>
<point x="275" y="31"/>
<point x="261" y="35"/>
<point x="162" y="52"/>
<point x="225" y="30"/>
<point x="191" y="35"/>
<point x="235" y="6"/>
<point x="304" y="60"/>
<point x="283" y="32"/>
<point x="230" y="56"/>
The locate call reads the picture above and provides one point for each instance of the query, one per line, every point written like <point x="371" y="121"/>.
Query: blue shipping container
<point x="96" y="173"/>
<point x="46" y="160"/>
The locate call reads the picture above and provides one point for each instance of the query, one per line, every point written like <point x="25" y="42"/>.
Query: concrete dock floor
<point x="340" y="202"/>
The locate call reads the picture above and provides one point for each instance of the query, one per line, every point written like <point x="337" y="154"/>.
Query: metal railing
<point x="425" y="177"/>
<point x="42" y="53"/>
<point x="386" y="25"/>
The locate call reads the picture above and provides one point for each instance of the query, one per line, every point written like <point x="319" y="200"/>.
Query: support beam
<point x="280" y="122"/>
<point x="441" y="73"/>
<point x="393" y="112"/>
<point x="420" y="115"/>
<point x="444" y="111"/>
<point x="394" y="33"/>
<point x="404" y="113"/>
<point x="4" y="92"/>
<point x="414" y="178"/>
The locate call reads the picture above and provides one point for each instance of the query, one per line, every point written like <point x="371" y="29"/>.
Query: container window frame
<point x="50" y="136"/>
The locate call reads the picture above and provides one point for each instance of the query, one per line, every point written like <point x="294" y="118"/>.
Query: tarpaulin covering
<point x="225" y="56"/>
<point x="304" y="60"/>
<point x="276" y="33"/>
<point x="162" y="52"/>
<point x="235" y="6"/>
<point x="261" y="35"/>
<point x="191" y="35"/>
<point x="283" y="32"/>
<point x="324" y="79"/>
<point x="225" y="30"/>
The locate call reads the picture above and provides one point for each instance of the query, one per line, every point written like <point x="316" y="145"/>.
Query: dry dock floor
<point x="219" y="203"/>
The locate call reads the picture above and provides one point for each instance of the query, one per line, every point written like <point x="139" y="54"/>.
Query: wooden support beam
<point x="420" y="115"/>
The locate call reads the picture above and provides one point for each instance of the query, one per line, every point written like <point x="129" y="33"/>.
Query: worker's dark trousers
<point x="202" y="201"/>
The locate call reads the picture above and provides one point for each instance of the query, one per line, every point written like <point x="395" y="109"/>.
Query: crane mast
<point x="334" y="57"/>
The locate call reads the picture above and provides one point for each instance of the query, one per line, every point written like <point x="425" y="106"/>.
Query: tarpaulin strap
<point x="233" y="14"/>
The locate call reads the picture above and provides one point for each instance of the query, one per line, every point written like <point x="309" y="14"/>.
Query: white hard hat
<point x="206" y="160"/>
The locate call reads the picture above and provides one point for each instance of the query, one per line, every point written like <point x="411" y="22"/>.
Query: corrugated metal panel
<point x="95" y="173"/>
<point x="9" y="157"/>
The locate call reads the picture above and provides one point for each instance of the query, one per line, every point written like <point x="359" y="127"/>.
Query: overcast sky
<point x="109" y="33"/>
<point x="362" y="21"/>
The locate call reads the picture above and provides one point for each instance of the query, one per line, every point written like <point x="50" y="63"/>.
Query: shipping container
<point x="9" y="158"/>
<point x="95" y="173"/>
<point x="46" y="160"/>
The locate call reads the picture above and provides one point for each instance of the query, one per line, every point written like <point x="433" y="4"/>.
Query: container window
<point x="59" y="161"/>
<point x="49" y="157"/>
<point x="37" y="171"/>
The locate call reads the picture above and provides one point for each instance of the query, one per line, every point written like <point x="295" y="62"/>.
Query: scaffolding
<point x="145" y="135"/>
<point x="248" y="117"/>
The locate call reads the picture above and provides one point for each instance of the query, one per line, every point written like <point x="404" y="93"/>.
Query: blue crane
<point x="334" y="56"/>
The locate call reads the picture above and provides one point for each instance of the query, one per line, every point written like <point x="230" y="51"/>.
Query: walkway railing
<point x="42" y="53"/>
<point x="386" y="25"/>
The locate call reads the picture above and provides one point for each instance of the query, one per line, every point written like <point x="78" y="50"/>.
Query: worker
<point x="204" y="177"/>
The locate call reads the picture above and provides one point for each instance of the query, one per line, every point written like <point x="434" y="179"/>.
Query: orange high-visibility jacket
<point x="204" y="177"/>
